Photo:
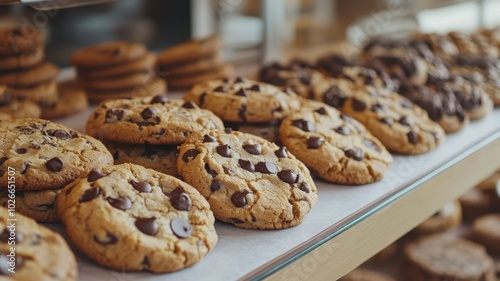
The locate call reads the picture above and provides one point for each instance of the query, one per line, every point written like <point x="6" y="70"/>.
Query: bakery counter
<point x="349" y="223"/>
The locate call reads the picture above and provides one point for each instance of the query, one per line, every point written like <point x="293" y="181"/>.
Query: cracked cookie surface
<point x="248" y="181"/>
<point x="336" y="147"/>
<point x="128" y="217"/>
<point x="40" y="252"/>
<point x="150" y="120"/>
<point x="244" y="100"/>
<point x="38" y="205"/>
<point x="46" y="155"/>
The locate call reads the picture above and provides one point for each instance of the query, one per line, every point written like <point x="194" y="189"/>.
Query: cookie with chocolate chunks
<point x="38" y="205"/>
<point x="149" y="120"/>
<point x="248" y="181"/>
<point x="335" y="147"/>
<point x="244" y="100"/>
<point x="45" y="155"/>
<point x="40" y="253"/>
<point x="131" y="218"/>
<point x="107" y="54"/>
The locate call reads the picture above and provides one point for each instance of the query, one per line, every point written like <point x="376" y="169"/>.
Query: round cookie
<point x="19" y="39"/>
<point x="222" y="71"/>
<point x="45" y="94"/>
<point x="486" y="231"/>
<point x="150" y="120"/>
<point x="106" y="54"/>
<point x="441" y="45"/>
<point x="477" y="202"/>
<point x="449" y="217"/>
<point x="41" y="254"/>
<point x="142" y="64"/>
<point x="191" y="50"/>
<point x="118" y="83"/>
<point x="437" y="69"/>
<point x="131" y="218"/>
<point x="72" y="99"/>
<point x="35" y="75"/>
<point x="153" y="87"/>
<point x="470" y="47"/>
<point x="361" y="274"/>
<point x="400" y="126"/>
<point x="38" y="205"/>
<point x="21" y="109"/>
<point x="243" y="100"/>
<point x="23" y="60"/>
<point x="440" y="257"/>
<point x="46" y="155"/>
<point x="267" y="131"/>
<point x="159" y="158"/>
<point x="334" y="146"/>
<point x="440" y="104"/>
<point x="248" y="181"/>
<point x="202" y="65"/>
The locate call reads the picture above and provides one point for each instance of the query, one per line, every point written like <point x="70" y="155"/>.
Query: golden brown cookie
<point x="45" y="94"/>
<point x="486" y="230"/>
<point x="191" y="50"/>
<point x="153" y="87"/>
<point x="38" y="205"/>
<point x="19" y="40"/>
<point x="107" y="54"/>
<point x="72" y="99"/>
<point x="41" y="73"/>
<point x="222" y="71"/>
<point x="449" y="217"/>
<point x="142" y="64"/>
<point x="191" y="68"/>
<point x="23" y="60"/>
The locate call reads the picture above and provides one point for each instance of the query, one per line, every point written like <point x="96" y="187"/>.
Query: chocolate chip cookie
<point x="45" y="94"/>
<point x="145" y="63"/>
<point x="41" y="73"/>
<point x="19" y="39"/>
<point x="151" y="87"/>
<point x="40" y="253"/>
<point x="72" y="99"/>
<point x="441" y="257"/>
<point x="21" y="61"/>
<point x="159" y="158"/>
<point x="21" y="109"/>
<point x="106" y="54"/>
<point x="486" y="230"/>
<point x="441" y="45"/>
<point x="248" y="181"/>
<point x="38" y="205"/>
<point x="131" y="218"/>
<point x="150" y="120"/>
<point x="334" y="146"/>
<point x="244" y="100"/>
<point x="46" y="155"/>
<point x="191" y="50"/>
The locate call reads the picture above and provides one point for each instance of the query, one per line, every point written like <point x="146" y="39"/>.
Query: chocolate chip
<point x="116" y="52"/>
<point x="94" y="175"/>
<point x="304" y="187"/>
<point x="343" y="130"/>
<point x="288" y="176"/>
<point x="91" y="194"/>
<point x="181" y="228"/>
<point x="228" y="130"/>
<point x="242" y="113"/>
<point x="256" y="88"/>
<point x="246" y="165"/>
<point x="141" y="186"/>
<point x="315" y="142"/>
<point x="61" y="134"/>
<point x="110" y="239"/>
<point x="321" y="111"/>
<point x="190" y="154"/>
<point x="145" y="262"/>
<point x="239" y="198"/>
<point x="189" y="104"/>
<point x="333" y="97"/>
<point x="118" y="113"/>
<point x="378" y="107"/>
<point x="216" y="185"/>
<point x="4" y="236"/>
<point x="21" y="150"/>
<point x="237" y="221"/>
<point x="371" y="145"/>
<point x="239" y="79"/>
<point x="148" y="112"/>
<point x="253" y="149"/>
<point x="304" y="125"/>
<point x="355" y="153"/>
<point x="224" y="150"/>
<point x="5" y="98"/>
<point x="387" y="120"/>
<point x="55" y="164"/>
<point x="281" y="152"/>
<point x="208" y="138"/>
<point x="123" y="203"/>
<point x="25" y="168"/>
<point x="407" y="121"/>
<point x="202" y="99"/>
<point x="358" y="105"/>
<point x="412" y="137"/>
<point x="147" y="226"/>
<point x="159" y="99"/>
<point x="221" y="89"/>
<point x="180" y="200"/>
<point x="213" y="173"/>
<point x="266" y="168"/>
<point x="241" y="92"/>
<point x="3" y="159"/>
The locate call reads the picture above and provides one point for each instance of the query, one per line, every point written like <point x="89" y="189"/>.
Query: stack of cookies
<point x="117" y="70"/>
<point x="11" y="108"/>
<point x="193" y="62"/>
<point x="146" y="131"/>
<point x="23" y="69"/>
<point x="45" y="157"/>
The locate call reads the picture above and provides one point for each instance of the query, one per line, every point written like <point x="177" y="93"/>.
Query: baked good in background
<point x="117" y="69"/>
<point x="483" y="199"/>
<point x="448" y="218"/>
<point x="248" y="181"/>
<point x="193" y="62"/>
<point x="486" y="231"/>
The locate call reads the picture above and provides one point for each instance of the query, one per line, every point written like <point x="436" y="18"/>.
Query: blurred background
<point x="251" y="30"/>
